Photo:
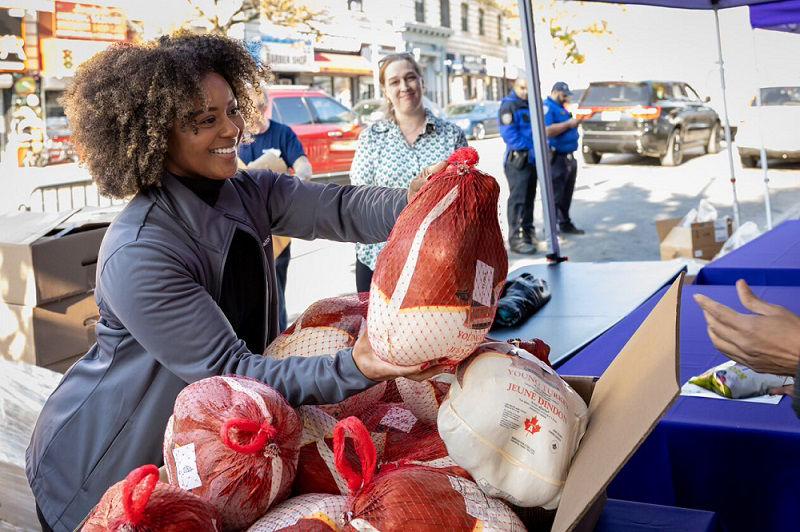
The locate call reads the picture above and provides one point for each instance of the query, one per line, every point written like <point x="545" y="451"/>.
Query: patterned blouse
<point x="384" y="158"/>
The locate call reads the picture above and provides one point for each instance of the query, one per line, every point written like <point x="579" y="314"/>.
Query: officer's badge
<point x="546" y="109"/>
<point x="506" y="118"/>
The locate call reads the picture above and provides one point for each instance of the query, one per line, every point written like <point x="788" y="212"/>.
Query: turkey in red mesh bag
<point x="513" y="423"/>
<point x="406" y="439"/>
<point x="234" y="441"/>
<point x="312" y="512"/>
<point x="141" y="503"/>
<point x="434" y="292"/>
<point x="316" y="467"/>
<point x="412" y="497"/>
<point x="326" y="327"/>
<point x="422" y="398"/>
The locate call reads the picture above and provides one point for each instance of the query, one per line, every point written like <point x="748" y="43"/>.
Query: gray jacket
<point x="159" y="277"/>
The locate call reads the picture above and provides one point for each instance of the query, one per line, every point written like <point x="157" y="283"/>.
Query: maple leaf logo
<point x="532" y="425"/>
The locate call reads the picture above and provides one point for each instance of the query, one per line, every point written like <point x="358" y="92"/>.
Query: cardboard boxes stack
<point x="47" y="277"/>
<point x="701" y="240"/>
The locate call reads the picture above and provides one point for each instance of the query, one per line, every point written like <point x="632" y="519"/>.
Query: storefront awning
<point x="334" y="63"/>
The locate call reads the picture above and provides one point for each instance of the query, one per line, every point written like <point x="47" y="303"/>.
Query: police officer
<point x="562" y="136"/>
<point x="514" y="122"/>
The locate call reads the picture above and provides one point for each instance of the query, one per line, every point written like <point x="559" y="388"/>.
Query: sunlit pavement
<point x="615" y="201"/>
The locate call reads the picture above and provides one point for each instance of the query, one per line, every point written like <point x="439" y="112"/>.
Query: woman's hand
<point x="423" y="176"/>
<point x="767" y="341"/>
<point x="379" y="370"/>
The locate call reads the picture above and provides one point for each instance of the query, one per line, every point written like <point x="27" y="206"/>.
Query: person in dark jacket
<point x="275" y="145"/>
<point x="514" y="123"/>
<point x="185" y="275"/>
<point x="562" y="137"/>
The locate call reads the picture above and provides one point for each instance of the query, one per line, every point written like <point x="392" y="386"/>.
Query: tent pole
<point x="537" y="125"/>
<point x="764" y="165"/>
<point x="728" y="143"/>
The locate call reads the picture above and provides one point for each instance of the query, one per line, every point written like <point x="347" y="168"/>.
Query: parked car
<point x="476" y="119"/>
<point x="327" y="129"/>
<point x="652" y="118"/>
<point x="775" y="123"/>
<point x="370" y="111"/>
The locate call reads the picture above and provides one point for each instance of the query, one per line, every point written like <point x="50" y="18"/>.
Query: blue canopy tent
<point x="525" y="8"/>
<point x="780" y="16"/>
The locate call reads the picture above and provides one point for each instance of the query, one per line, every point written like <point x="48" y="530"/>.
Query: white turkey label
<point x="475" y="502"/>
<point x="186" y="467"/>
<point x="400" y="419"/>
<point x="482" y="290"/>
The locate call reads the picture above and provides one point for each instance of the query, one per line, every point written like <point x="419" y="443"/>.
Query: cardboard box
<point x="699" y="241"/>
<point x="625" y="404"/>
<point x="52" y="335"/>
<point x="48" y="256"/>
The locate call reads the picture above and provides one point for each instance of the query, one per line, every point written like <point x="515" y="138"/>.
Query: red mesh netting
<point x="411" y="497"/>
<point x="434" y="292"/>
<point x="326" y="327"/>
<point x="513" y="423"/>
<point x="313" y="512"/>
<point x="140" y="503"/>
<point x="233" y="441"/>
<point x="421" y="398"/>
<point x="316" y="467"/>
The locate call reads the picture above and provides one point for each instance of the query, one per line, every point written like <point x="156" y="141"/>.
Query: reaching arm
<point x="152" y="293"/>
<point x="768" y="340"/>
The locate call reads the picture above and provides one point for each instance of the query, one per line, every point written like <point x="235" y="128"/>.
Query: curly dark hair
<point x="124" y="101"/>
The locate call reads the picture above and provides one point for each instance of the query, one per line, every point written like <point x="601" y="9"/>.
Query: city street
<point x="616" y="202"/>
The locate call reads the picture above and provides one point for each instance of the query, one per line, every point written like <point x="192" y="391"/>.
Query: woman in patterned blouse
<point x="394" y="150"/>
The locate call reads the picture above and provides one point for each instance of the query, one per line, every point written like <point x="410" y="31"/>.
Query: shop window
<point x="324" y="83"/>
<point x="444" y="13"/>
<point x="480" y="23"/>
<point x="419" y="10"/>
<point x="464" y="17"/>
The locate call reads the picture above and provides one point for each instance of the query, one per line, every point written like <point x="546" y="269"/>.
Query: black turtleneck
<point x="243" y="280"/>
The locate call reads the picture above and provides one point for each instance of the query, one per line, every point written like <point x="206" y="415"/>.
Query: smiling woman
<point x="185" y="285"/>
<point x="131" y="104"/>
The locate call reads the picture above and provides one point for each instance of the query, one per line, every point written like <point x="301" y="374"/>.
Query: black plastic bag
<point x="520" y="299"/>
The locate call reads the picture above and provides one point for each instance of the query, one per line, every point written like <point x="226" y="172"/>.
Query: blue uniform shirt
<point x="514" y="124"/>
<point x="278" y="136"/>
<point x="554" y="113"/>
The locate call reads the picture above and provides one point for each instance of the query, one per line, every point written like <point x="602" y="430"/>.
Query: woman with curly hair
<point x="185" y="274"/>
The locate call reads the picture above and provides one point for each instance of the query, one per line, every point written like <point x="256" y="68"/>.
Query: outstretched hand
<point x="423" y="176"/>
<point x="768" y="340"/>
<point x="379" y="370"/>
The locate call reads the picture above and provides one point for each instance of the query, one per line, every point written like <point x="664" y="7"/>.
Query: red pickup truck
<point x="327" y="129"/>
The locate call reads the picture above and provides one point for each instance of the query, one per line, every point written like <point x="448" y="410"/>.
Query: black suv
<point x="652" y="118"/>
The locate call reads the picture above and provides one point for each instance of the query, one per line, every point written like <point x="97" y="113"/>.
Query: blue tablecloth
<point x="629" y="516"/>
<point x="772" y="259"/>
<point x="740" y="460"/>
<point x="587" y="299"/>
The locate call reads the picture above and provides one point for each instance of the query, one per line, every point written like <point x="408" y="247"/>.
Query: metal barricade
<point x="69" y="195"/>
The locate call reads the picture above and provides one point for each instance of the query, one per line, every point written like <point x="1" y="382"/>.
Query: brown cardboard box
<point x="625" y="404"/>
<point x="48" y="256"/>
<point x="699" y="241"/>
<point x="52" y="335"/>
